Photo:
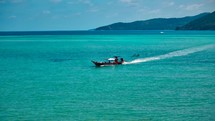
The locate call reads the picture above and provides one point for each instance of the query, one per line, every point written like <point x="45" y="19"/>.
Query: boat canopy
<point x="111" y="59"/>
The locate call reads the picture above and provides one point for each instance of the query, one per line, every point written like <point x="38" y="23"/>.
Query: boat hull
<point x="105" y="63"/>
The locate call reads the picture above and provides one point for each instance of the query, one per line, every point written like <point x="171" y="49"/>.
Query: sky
<point x="46" y="15"/>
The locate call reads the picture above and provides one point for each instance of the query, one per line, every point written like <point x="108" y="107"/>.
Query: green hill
<point x="206" y="22"/>
<point x="152" y="24"/>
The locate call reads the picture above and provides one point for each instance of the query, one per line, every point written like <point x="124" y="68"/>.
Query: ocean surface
<point x="50" y="77"/>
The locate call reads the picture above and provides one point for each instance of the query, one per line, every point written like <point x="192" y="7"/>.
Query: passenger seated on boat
<point x="116" y="60"/>
<point x="122" y="60"/>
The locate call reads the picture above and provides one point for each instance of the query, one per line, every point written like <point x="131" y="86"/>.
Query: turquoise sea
<point x="51" y="77"/>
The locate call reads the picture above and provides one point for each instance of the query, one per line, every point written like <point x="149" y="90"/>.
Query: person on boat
<point x="116" y="60"/>
<point x="122" y="60"/>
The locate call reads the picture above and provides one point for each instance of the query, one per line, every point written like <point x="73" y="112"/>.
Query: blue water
<point x="51" y="77"/>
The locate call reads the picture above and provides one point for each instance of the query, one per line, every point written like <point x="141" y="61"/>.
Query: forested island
<point x="203" y="21"/>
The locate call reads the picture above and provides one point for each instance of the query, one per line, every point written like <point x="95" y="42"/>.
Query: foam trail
<point x="172" y="54"/>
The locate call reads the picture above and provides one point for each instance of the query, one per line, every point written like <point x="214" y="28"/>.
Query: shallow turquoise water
<point x="52" y="77"/>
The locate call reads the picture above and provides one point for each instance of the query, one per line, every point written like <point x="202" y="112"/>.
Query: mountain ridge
<point x="206" y="22"/>
<point x="153" y="24"/>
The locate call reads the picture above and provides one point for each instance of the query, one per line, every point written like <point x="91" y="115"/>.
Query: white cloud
<point x="194" y="7"/>
<point x="126" y="1"/>
<point x="155" y="11"/>
<point x="191" y="7"/>
<point x="171" y="3"/>
<point x="129" y="2"/>
<point x="182" y="6"/>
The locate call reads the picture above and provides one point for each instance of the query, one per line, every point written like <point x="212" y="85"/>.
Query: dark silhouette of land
<point x="203" y="21"/>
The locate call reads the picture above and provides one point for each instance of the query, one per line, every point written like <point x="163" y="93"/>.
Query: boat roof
<point x="111" y="59"/>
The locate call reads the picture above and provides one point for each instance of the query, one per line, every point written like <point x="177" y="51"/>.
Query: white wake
<point x="172" y="54"/>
